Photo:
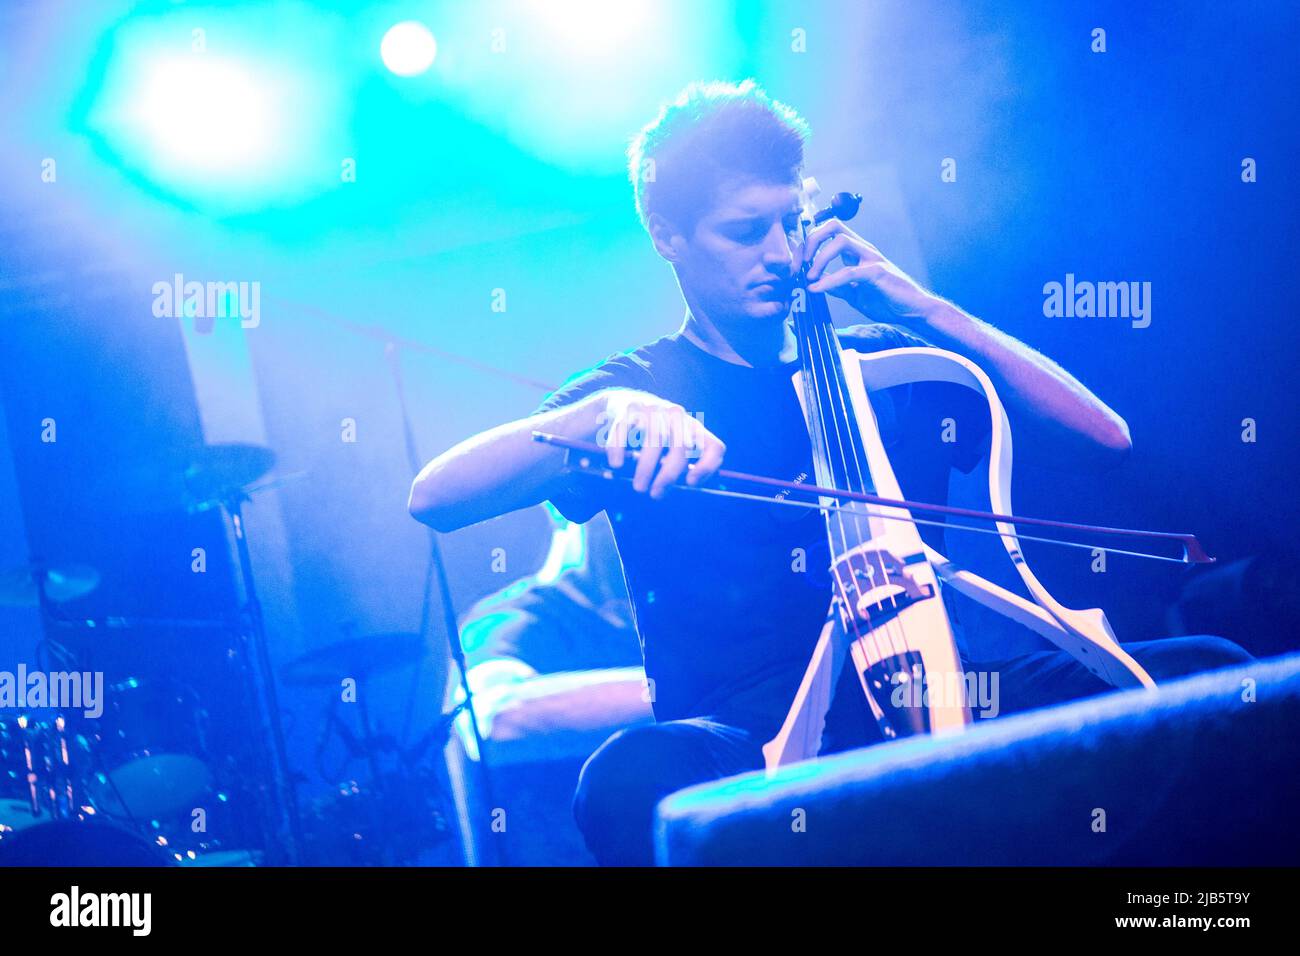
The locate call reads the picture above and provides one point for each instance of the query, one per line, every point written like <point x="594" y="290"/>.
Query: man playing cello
<point x="730" y="596"/>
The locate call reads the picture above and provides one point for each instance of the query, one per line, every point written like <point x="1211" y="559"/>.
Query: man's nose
<point x="779" y="254"/>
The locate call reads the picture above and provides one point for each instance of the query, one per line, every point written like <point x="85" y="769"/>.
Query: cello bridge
<point x="873" y="585"/>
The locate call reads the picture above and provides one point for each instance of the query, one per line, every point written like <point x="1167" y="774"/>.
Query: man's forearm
<point x="498" y="471"/>
<point x="1054" y="413"/>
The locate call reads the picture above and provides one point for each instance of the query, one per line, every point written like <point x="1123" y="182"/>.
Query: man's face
<point x="741" y="260"/>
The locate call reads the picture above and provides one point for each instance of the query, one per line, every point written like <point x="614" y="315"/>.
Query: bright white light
<point x="408" y="48"/>
<point x="595" y="27"/>
<point x="205" y="113"/>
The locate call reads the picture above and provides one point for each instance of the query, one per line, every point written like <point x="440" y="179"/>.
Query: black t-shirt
<point x="730" y="596"/>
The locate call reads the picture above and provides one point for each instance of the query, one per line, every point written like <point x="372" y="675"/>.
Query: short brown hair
<point x="710" y="132"/>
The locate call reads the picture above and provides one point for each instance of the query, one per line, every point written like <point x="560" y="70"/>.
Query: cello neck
<point x="838" y="453"/>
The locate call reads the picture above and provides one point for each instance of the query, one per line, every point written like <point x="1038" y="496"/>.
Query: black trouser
<point x="623" y="781"/>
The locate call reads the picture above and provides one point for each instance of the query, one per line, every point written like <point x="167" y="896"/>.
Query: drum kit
<point x="134" y="784"/>
<point x="68" y="789"/>
<point x="141" y="760"/>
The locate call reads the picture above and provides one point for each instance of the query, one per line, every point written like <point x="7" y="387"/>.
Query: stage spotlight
<point x="206" y="113"/>
<point x="408" y="48"/>
<point x="236" y="118"/>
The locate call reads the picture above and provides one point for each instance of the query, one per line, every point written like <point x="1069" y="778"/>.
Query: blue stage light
<point x="244" y="112"/>
<point x="408" y="48"/>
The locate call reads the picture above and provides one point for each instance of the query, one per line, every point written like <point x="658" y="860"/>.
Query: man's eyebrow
<point x="739" y="218"/>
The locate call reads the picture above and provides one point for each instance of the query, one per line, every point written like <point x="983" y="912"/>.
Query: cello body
<point x="887" y="618"/>
<point x="922" y="626"/>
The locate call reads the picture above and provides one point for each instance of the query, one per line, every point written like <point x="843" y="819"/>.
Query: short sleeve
<point x="581" y="497"/>
<point x="878" y="336"/>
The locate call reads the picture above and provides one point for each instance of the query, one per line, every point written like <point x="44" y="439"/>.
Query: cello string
<point x="808" y="339"/>
<point x="822" y="446"/>
<point x="859" y="454"/>
<point x="818" y="377"/>
<point x="893" y="629"/>
<point x="812" y="327"/>
<point x="825" y="356"/>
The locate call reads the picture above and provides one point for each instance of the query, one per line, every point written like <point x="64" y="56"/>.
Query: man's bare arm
<point x="504" y="469"/>
<point x="1060" y="420"/>
<point x="500" y="470"/>
<point x="1057" y="415"/>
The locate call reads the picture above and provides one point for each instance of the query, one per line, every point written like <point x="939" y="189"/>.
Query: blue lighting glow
<point x="248" y="108"/>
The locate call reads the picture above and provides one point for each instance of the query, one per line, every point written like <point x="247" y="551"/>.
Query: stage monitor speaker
<point x="1203" y="771"/>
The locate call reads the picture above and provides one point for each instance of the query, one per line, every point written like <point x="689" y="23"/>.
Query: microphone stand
<point x="255" y="635"/>
<point x="437" y="571"/>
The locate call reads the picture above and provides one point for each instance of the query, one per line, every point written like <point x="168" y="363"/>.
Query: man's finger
<point x="710" y="460"/>
<point x="670" y="469"/>
<point x="825" y="253"/>
<point x="864" y="272"/>
<point x="817" y="236"/>
<point x="675" y="435"/>
<point x="650" y="450"/>
<point x="616" y="442"/>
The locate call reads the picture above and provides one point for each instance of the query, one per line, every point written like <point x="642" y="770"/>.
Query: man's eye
<point x="756" y="233"/>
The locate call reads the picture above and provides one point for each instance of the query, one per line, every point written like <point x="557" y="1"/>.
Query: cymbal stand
<point x="264" y="695"/>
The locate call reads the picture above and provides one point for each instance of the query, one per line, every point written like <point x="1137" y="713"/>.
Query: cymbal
<point x="18" y="586"/>
<point x="219" y="469"/>
<point x="166" y="482"/>
<point x="359" y="658"/>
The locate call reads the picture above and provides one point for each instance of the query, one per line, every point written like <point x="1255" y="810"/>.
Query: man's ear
<point x="668" y="240"/>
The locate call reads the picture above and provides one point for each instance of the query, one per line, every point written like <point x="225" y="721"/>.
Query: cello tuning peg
<point x="845" y="205"/>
